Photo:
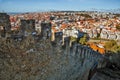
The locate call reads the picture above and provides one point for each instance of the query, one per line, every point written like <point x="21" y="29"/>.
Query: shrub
<point x="83" y="40"/>
<point x="72" y="39"/>
<point x="112" y="46"/>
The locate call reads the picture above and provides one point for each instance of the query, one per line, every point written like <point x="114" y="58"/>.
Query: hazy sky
<point x="37" y="5"/>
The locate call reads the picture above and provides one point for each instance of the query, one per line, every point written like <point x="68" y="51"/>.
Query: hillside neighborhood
<point x="59" y="45"/>
<point x="70" y="24"/>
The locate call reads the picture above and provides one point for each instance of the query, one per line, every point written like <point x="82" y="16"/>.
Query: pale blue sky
<point x="37" y="5"/>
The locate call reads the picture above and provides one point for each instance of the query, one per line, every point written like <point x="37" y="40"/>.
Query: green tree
<point x="112" y="46"/>
<point x="72" y="39"/>
<point x="83" y="40"/>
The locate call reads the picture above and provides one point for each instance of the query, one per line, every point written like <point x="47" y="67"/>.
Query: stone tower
<point x="58" y="38"/>
<point x="27" y="26"/>
<point x="5" y="26"/>
<point x="46" y="30"/>
<point x="67" y="41"/>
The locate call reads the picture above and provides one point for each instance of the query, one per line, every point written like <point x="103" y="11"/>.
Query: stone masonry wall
<point x="29" y="60"/>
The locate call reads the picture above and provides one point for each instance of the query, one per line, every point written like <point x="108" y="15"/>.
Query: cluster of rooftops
<point x="74" y="24"/>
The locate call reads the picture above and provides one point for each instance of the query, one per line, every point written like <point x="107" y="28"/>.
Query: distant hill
<point x="13" y="13"/>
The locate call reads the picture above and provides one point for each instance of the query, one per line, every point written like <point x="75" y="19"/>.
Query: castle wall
<point x="76" y="62"/>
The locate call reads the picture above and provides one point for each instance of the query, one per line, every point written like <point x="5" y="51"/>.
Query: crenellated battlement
<point x="81" y="61"/>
